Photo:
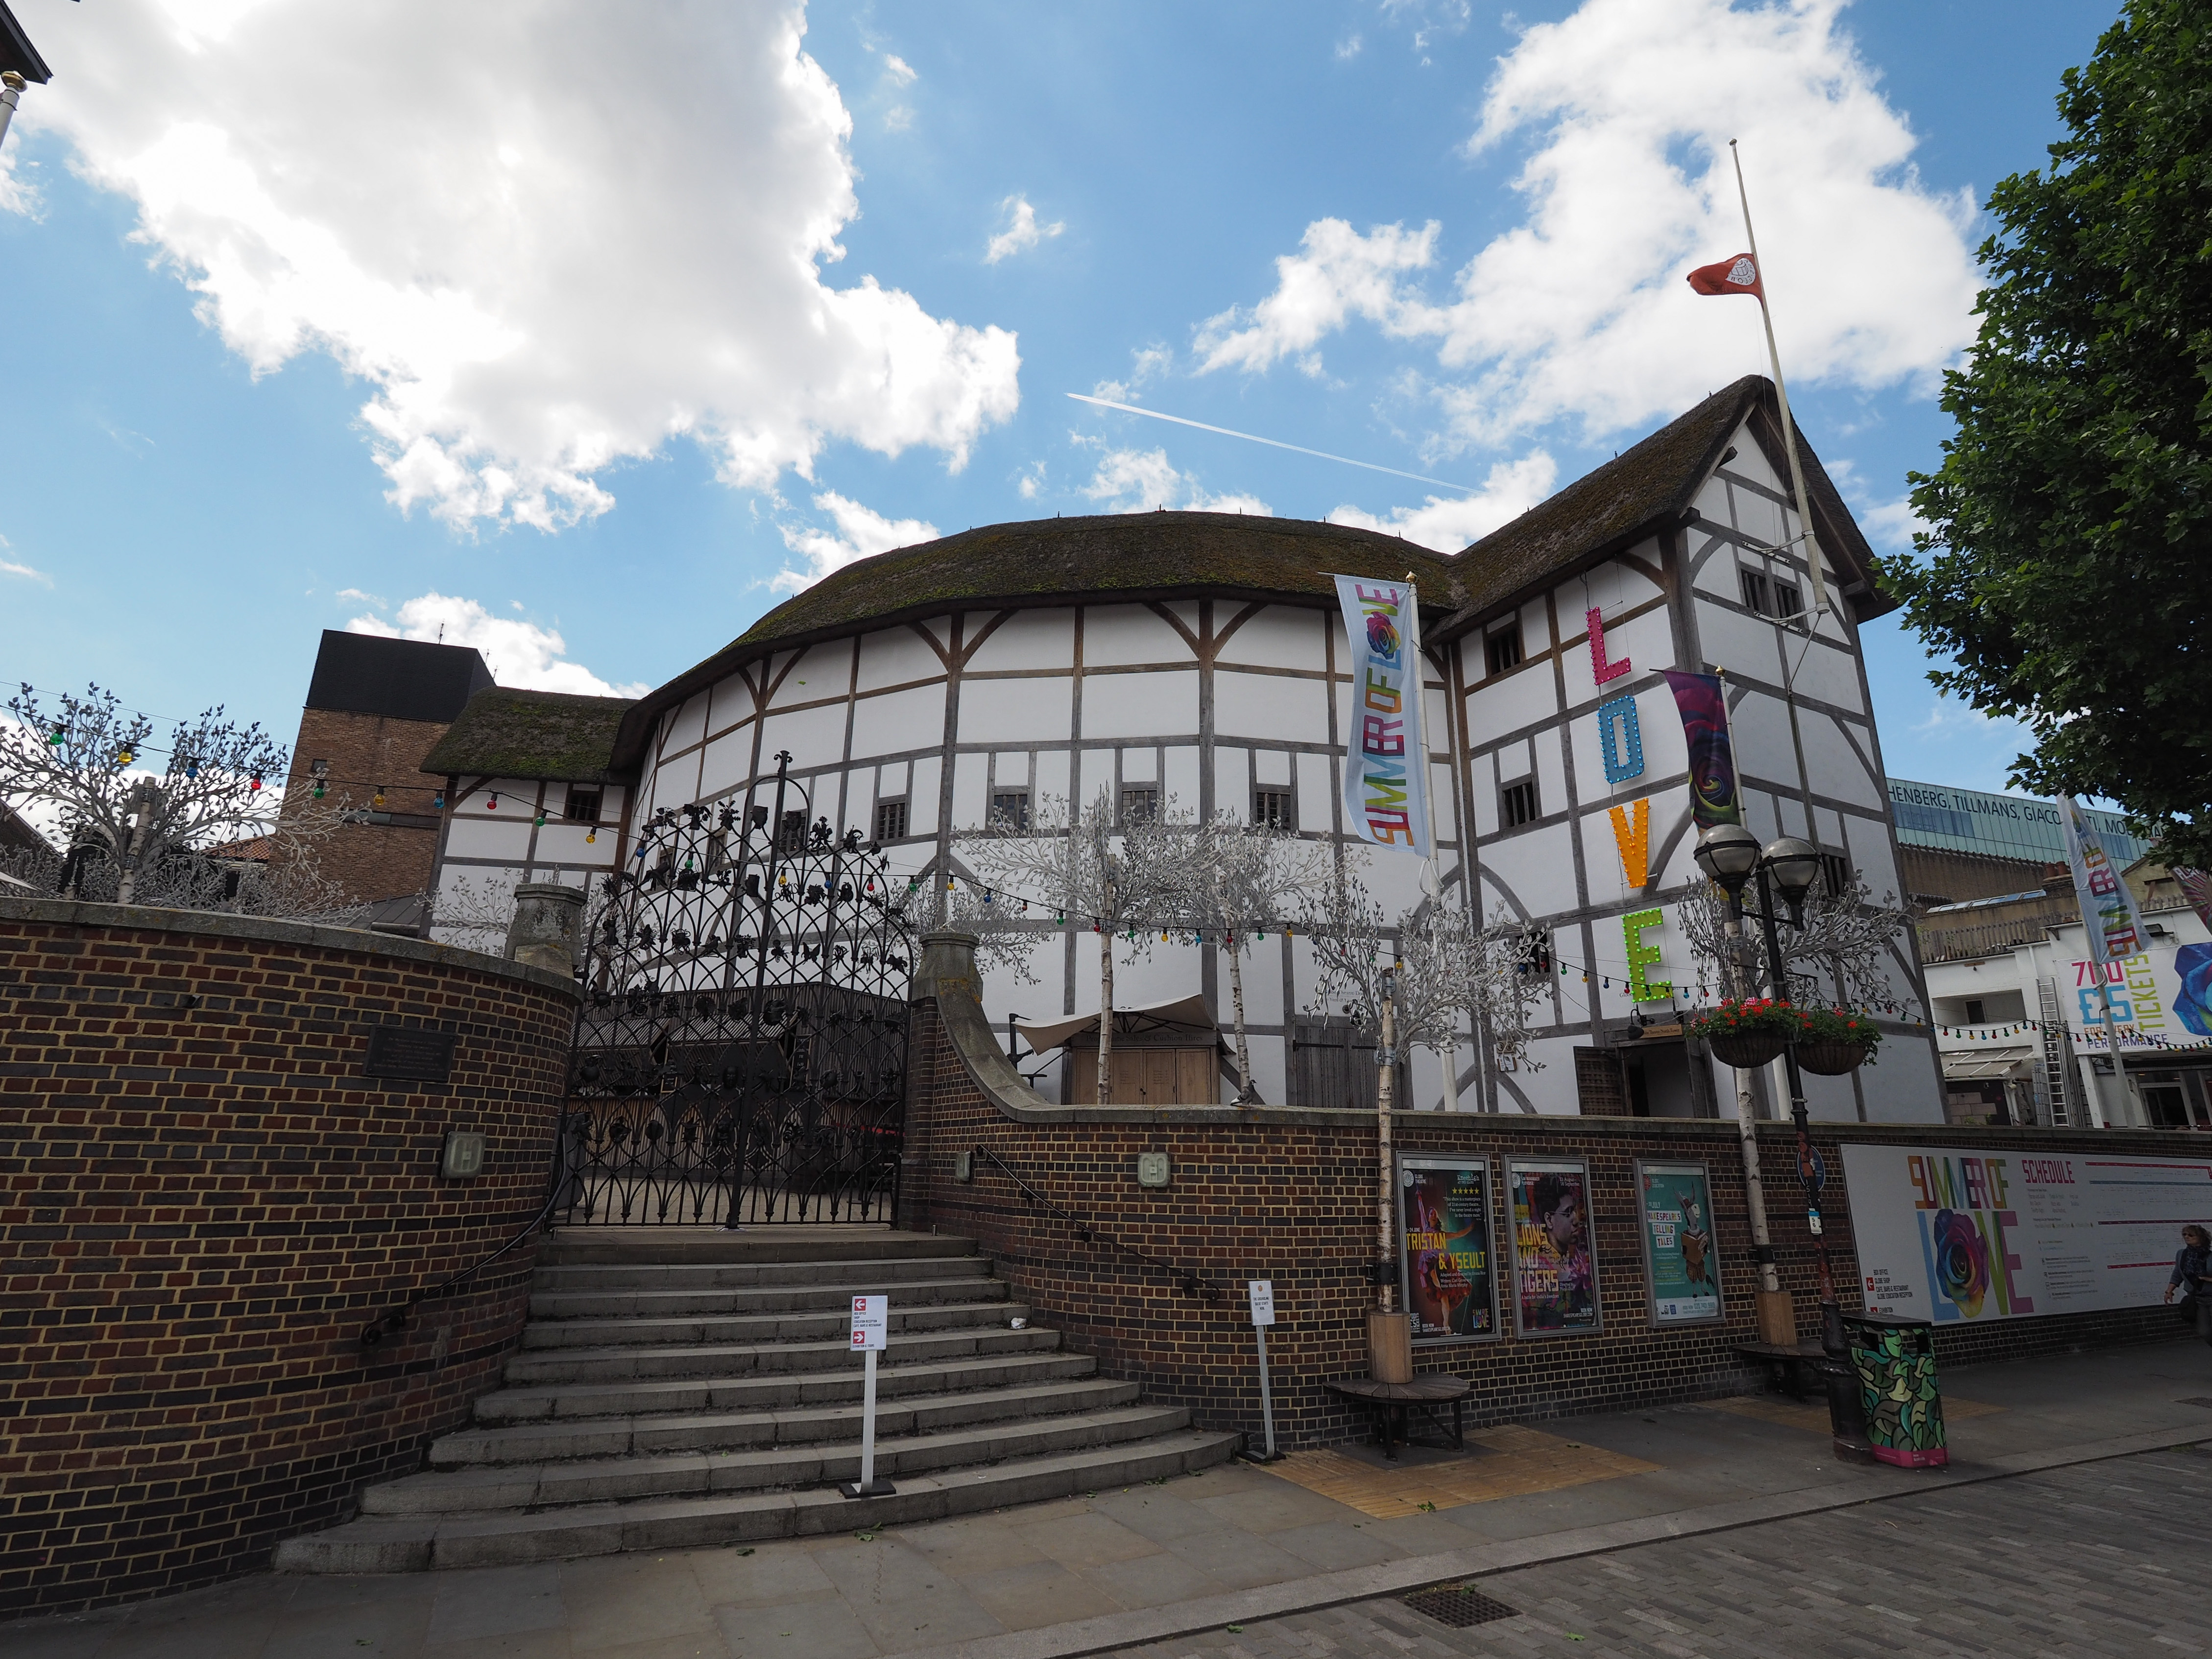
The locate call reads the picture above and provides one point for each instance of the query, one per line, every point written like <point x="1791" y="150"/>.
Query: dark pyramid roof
<point x="1650" y="486"/>
<point x="506" y="732"/>
<point x="1056" y="562"/>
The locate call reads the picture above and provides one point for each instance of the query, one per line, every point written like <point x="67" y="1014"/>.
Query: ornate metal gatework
<point x="741" y="1054"/>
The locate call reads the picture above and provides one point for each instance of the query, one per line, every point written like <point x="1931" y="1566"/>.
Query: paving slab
<point x="1166" y="1567"/>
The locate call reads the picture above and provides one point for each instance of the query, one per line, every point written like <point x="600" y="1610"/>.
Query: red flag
<point x="1736" y="276"/>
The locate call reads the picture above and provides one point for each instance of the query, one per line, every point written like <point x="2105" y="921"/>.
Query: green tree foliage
<point x="2068" y="564"/>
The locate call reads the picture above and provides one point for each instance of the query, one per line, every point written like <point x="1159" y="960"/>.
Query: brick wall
<point x="367" y="753"/>
<point x="203" y="1200"/>
<point x="1289" y="1194"/>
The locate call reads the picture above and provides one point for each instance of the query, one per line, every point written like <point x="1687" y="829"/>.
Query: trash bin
<point x="1895" y="1359"/>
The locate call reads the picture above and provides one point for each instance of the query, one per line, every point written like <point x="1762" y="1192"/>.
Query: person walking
<point x="2192" y="1266"/>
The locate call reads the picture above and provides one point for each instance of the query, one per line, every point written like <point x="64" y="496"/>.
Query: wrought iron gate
<point x="741" y="1054"/>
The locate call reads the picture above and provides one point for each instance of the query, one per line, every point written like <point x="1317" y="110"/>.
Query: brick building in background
<point x="375" y="708"/>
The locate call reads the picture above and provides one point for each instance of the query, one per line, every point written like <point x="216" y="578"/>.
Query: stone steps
<point x="773" y="1390"/>
<point x="747" y="1328"/>
<point x="687" y="1386"/>
<point x="416" y="1543"/>
<point x="879" y="1273"/>
<point x="608" y="1363"/>
<point x="618" y="1436"/>
<point x="697" y="1474"/>
<point x="832" y="1299"/>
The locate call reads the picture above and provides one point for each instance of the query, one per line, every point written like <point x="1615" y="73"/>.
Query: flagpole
<point x="1782" y="394"/>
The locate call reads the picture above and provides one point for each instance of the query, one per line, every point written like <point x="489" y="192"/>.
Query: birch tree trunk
<point x="1105" y="1015"/>
<point x="1385" y="1059"/>
<point x="1237" y="1002"/>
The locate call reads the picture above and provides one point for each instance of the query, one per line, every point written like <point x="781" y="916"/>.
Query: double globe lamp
<point x="1731" y="855"/>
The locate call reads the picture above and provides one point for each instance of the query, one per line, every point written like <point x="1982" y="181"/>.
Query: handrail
<point x="1189" y="1281"/>
<point x="395" y="1321"/>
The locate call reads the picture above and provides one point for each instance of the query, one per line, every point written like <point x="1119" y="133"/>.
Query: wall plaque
<point x="409" y="1054"/>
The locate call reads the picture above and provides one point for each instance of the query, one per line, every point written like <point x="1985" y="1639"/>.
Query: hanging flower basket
<point x="1748" y="1050"/>
<point x="1748" y="1034"/>
<point x="1831" y="1059"/>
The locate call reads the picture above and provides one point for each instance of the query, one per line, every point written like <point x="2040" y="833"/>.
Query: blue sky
<point x="554" y="332"/>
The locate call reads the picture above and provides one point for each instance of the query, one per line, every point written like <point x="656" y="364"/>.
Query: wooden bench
<point x="1789" y="1367"/>
<point x="1392" y="1402"/>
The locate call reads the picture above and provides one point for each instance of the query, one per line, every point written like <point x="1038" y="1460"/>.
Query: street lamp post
<point x="1732" y="856"/>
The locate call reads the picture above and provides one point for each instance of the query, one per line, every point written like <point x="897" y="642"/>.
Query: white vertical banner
<point x="1386" y="772"/>
<point x="2108" y="909"/>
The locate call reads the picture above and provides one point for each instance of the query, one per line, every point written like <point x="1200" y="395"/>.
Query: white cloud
<point x="539" y="268"/>
<point x="1347" y="49"/>
<point x="1031" y="481"/>
<point x="520" y="653"/>
<point x="860" y="531"/>
<point x="1141" y="480"/>
<point x="1447" y="525"/>
<point x="1580" y="311"/>
<point x="1146" y="364"/>
<point x="376" y="599"/>
<point x="898" y="70"/>
<point x="1340" y="274"/>
<point x="1023" y="232"/>
<point x="10" y="567"/>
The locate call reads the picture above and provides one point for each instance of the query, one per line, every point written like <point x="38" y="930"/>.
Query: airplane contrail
<point x="1275" y="443"/>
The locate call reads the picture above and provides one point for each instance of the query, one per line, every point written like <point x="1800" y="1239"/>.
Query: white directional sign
<point x="872" y="1321"/>
<point x="1263" y="1300"/>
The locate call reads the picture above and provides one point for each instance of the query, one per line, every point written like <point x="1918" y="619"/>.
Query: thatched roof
<point x="509" y="734"/>
<point x="1180" y="555"/>
<point x="1649" y="487"/>
<point x="1113" y="556"/>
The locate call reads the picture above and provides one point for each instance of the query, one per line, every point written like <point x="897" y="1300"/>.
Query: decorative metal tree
<point x="1445" y="970"/>
<point x="1123" y="878"/>
<point x="85" y="757"/>
<point x="1246" y="877"/>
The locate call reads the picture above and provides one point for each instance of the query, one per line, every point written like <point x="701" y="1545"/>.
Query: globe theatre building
<point x="1200" y="659"/>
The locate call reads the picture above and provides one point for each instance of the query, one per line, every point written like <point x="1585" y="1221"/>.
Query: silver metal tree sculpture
<point x="1846" y="935"/>
<point x="1245" y="878"/>
<point x="94" y="762"/>
<point x="1124" y="879"/>
<point x="1443" y="969"/>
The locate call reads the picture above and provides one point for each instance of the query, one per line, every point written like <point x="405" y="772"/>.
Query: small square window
<point x="1517" y="806"/>
<point x="891" y="820"/>
<point x="1503" y="649"/>
<point x="1273" y="808"/>
<point x="1756" y="595"/>
<point x="1837" y="873"/>
<point x="791" y="838"/>
<point x="1787" y="601"/>
<point x="1011" y="807"/>
<point x="1974" y="1012"/>
<point x="1139" y="805"/>
<point x="583" y="806"/>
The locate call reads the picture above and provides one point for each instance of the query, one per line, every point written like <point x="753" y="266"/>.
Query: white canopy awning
<point x="1186" y="1014"/>
<point x="1993" y="1059"/>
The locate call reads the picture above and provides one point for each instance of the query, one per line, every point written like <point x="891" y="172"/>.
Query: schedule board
<point x="1951" y="1235"/>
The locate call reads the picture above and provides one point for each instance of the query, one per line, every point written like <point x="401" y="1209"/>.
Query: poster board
<point x="1682" y="1267"/>
<point x="1447" y="1248"/>
<point x="1554" y="1283"/>
<point x="1958" y="1236"/>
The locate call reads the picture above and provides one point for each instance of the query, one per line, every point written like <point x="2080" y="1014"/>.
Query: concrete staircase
<point x="684" y="1386"/>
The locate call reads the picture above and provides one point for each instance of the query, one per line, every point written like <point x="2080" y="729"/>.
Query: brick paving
<point x="2109" y="1560"/>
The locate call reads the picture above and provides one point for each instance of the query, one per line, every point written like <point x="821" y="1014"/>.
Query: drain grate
<point x="1459" y="1606"/>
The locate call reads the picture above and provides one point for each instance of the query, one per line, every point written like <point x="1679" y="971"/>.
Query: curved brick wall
<point x="1288" y="1194"/>
<point x="203" y="1201"/>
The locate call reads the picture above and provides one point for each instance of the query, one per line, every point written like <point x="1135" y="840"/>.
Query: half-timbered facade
<point x="1199" y="659"/>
